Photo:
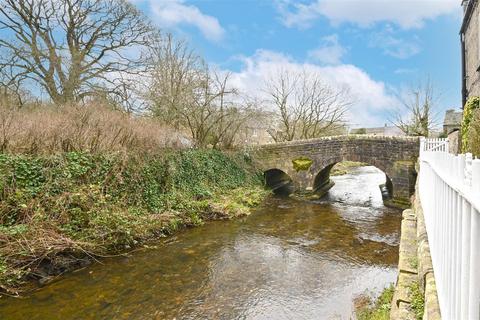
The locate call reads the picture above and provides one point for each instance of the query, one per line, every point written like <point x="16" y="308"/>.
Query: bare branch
<point x="306" y="106"/>
<point x="416" y="116"/>
<point x="69" y="47"/>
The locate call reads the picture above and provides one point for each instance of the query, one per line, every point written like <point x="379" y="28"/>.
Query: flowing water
<point x="290" y="259"/>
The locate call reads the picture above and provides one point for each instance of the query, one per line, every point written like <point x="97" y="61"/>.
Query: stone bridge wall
<point x="396" y="156"/>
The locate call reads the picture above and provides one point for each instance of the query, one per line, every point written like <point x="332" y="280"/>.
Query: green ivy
<point x="77" y="184"/>
<point x="471" y="106"/>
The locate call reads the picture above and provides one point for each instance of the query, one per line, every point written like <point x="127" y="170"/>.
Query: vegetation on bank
<point x="345" y="167"/>
<point x="58" y="211"/>
<point x="378" y="309"/>
<point x="367" y="308"/>
<point x="418" y="301"/>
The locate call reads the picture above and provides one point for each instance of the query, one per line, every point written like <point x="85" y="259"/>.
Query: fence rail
<point x="449" y="188"/>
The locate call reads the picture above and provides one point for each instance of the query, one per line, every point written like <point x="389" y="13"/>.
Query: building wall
<point x="380" y="131"/>
<point x="255" y="135"/>
<point x="472" y="56"/>
<point x="447" y="129"/>
<point x="453" y="142"/>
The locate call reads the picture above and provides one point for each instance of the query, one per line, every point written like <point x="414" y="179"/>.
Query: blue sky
<point x="378" y="48"/>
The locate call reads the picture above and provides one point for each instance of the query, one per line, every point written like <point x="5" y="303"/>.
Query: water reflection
<point x="290" y="260"/>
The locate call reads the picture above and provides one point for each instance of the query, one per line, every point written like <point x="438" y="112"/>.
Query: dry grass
<point x="93" y="128"/>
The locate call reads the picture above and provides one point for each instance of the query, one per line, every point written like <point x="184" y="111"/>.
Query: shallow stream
<point x="290" y="259"/>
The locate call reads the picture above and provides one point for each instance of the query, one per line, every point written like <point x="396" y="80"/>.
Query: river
<point x="290" y="259"/>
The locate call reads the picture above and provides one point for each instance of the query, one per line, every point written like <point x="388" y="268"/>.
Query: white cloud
<point x="402" y="71"/>
<point x="170" y="13"/>
<point x="330" y="53"/>
<point x="364" y="13"/>
<point x="371" y="97"/>
<point x="395" y="47"/>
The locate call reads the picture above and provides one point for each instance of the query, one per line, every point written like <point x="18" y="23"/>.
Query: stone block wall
<point x="414" y="267"/>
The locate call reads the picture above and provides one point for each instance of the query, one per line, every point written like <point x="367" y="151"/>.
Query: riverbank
<point x="59" y="213"/>
<point x="367" y="308"/>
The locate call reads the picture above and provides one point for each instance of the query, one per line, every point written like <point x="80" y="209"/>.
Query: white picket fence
<point x="436" y="144"/>
<point x="449" y="188"/>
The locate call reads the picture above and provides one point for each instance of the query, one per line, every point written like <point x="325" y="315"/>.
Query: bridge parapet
<point x="396" y="156"/>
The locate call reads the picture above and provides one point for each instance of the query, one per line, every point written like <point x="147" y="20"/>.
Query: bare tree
<point x="176" y="72"/>
<point x="416" y="116"/>
<point x="186" y="93"/>
<point x="306" y="105"/>
<point x="71" y="48"/>
<point x="208" y="116"/>
<point x="233" y="113"/>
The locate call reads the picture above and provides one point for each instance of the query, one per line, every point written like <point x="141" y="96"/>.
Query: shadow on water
<point x="289" y="260"/>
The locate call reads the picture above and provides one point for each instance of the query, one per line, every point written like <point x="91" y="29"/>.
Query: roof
<point x="452" y="118"/>
<point x="468" y="11"/>
<point x="386" y="130"/>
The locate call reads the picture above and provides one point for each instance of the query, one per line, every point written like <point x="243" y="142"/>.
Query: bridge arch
<point x="278" y="181"/>
<point x="395" y="156"/>
<point x="323" y="183"/>
<point x="322" y="179"/>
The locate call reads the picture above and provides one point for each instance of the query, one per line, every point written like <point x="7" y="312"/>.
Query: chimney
<point x="465" y="5"/>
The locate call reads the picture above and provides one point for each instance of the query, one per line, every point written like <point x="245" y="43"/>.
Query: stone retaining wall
<point x="414" y="266"/>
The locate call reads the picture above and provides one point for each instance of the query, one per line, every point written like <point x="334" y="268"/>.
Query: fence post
<point x="468" y="169"/>
<point x="422" y="146"/>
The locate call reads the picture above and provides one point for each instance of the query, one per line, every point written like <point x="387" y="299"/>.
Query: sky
<point x="379" y="49"/>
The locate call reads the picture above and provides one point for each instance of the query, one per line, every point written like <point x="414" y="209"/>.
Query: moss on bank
<point x="57" y="212"/>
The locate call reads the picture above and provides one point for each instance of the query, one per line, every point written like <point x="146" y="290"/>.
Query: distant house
<point x="379" y="131"/>
<point x="256" y="130"/>
<point x="452" y="121"/>
<point x="470" y="40"/>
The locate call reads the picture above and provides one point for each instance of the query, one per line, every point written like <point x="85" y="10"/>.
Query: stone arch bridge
<point x="304" y="166"/>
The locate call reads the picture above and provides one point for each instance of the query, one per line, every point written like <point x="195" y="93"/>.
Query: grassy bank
<point x="59" y="212"/>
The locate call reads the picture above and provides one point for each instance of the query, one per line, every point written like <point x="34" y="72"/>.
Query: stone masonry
<point x="414" y="268"/>
<point x="470" y="30"/>
<point x="396" y="156"/>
